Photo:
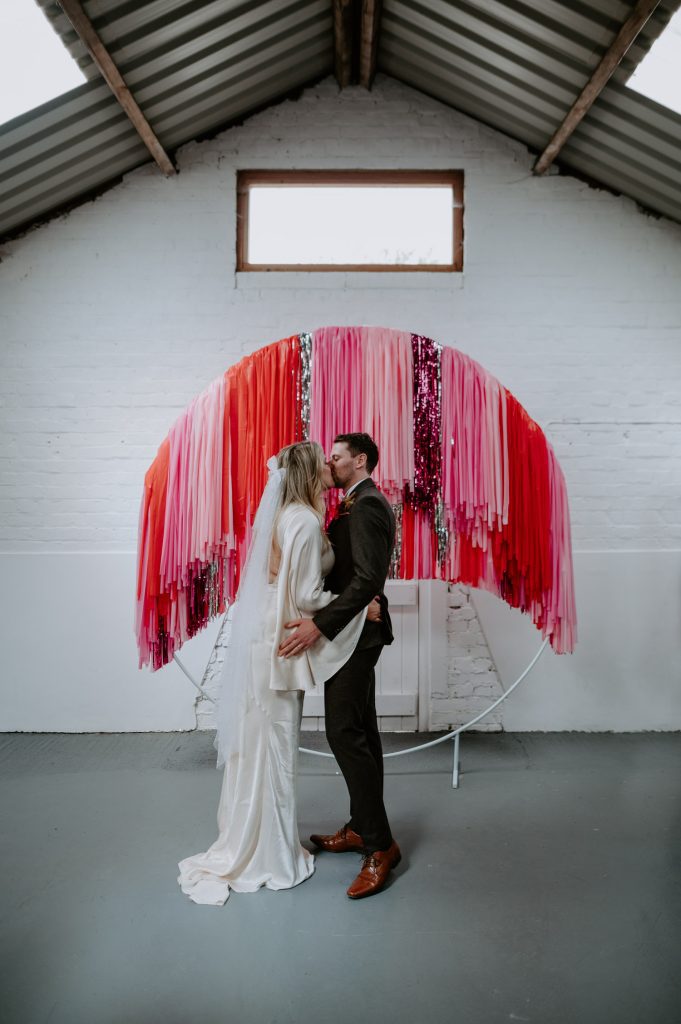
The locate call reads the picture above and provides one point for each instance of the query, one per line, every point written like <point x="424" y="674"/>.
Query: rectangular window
<point x="350" y="220"/>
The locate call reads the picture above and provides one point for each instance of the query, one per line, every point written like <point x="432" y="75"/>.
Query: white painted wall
<point x="625" y="673"/>
<point x="113" y="317"/>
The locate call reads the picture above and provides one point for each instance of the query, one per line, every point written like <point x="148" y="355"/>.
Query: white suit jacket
<point x="300" y="593"/>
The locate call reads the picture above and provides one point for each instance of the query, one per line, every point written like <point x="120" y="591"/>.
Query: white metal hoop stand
<point x="454" y="735"/>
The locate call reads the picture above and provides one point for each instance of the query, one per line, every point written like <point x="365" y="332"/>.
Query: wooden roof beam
<point x="591" y="91"/>
<point x="100" y="55"/>
<point x="355" y="30"/>
<point x="343" y="40"/>
<point x="368" y="45"/>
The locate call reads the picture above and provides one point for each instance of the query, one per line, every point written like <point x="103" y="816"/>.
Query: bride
<point x="261" y="699"/>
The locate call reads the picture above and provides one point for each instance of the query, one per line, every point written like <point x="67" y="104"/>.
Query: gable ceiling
<point x="195" y="66"/>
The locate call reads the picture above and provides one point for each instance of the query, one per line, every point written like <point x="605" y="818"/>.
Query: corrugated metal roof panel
<point x="96" y="171"/>
<point x="196" y="65"/>
<point x="192" y="67"/>
<point x="513" y="86"/>
<point x="90" y="109"/>
<point x="519" y="66"/>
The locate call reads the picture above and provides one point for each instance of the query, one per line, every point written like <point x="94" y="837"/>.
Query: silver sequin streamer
<point x="213" y="589"/>
<point x="304" y="388"/>
<point x="396" y="557"/>
<point x="441" y="531"/>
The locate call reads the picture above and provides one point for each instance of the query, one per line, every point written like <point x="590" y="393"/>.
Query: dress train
<point x="258" y="843"/>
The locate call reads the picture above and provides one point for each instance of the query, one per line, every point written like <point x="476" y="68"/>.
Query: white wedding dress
<point x="258" y="843"/>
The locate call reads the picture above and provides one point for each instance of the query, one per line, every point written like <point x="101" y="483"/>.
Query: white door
<point x="397" y="672"/>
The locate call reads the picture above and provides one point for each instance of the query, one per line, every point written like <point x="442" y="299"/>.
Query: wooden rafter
<point x="623" y="40"/>
<point x="368" y="46"/>
<point x="343" y="38"/>
<point x="355" y="29"/>
<point x="100" y="55"/>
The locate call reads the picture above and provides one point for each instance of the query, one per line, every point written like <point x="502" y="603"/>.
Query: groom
<point x="362" y="535"/>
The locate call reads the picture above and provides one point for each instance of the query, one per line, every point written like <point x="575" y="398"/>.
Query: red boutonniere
<point x="345" y="506"/>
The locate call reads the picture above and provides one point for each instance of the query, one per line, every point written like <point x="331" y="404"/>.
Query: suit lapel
<point x="363" y="486"/>
<point x="360" y="489"/>
<point x="339" y="527"/>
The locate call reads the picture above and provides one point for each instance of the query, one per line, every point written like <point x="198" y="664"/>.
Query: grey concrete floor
<point x="545" y="889"/>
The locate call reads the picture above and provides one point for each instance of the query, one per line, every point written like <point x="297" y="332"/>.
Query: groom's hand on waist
<point x="306" y="633"/>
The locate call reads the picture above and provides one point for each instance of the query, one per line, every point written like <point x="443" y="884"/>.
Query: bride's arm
<point x="302" y="543"/>
<point x="302" y="563"/>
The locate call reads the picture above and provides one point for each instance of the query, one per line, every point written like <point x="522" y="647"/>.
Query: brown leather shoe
<point x="375" y="870"/>
<point x="341" y="841"/>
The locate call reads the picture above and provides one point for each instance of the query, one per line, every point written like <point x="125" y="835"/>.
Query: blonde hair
<point x="304" y="464"/>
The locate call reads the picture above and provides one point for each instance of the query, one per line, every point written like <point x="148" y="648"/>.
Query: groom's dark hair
<point x="360" y="444"/>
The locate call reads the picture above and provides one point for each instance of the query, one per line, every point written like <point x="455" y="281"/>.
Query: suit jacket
<point x="363" y="537"/>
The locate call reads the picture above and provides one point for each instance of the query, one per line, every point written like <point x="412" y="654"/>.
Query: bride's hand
<point x="374" y="611"/>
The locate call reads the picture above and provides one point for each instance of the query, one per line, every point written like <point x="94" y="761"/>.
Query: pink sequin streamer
<point x="427" y="421"/>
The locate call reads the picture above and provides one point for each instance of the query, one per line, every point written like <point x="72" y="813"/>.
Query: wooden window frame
<point x="245" y="179"/>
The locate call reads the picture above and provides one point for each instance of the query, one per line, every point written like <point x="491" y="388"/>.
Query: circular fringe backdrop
<point x="477" y="491"/>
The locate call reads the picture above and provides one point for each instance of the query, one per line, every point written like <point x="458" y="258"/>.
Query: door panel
<point x="397" y="672"/>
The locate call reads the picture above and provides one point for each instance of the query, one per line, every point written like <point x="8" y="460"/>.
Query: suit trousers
<point x="352" y="732"/>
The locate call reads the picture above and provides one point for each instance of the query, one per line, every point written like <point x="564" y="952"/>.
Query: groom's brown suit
<point x="362" y="535"/>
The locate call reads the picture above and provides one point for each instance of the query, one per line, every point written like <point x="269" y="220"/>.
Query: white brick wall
<point x="472" y="682"/>
<point x="113" y="317"/>
<point x="624" y="475"/>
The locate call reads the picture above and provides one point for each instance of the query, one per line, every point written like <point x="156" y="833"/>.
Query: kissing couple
<point x="329" y="590"/>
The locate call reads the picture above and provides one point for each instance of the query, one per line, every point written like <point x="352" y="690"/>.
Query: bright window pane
<point x="331" y="224"/>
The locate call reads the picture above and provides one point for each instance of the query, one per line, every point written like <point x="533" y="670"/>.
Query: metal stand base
<point x="454" y="735"/>
<point x="457" y="764"/>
